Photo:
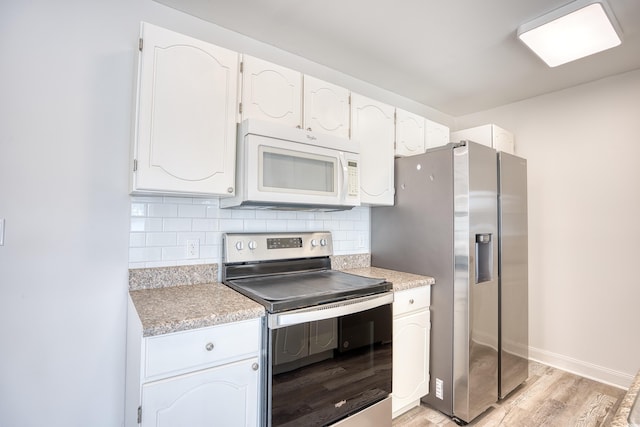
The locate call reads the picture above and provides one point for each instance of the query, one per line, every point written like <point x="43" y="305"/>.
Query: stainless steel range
<point x="327" y="333"/>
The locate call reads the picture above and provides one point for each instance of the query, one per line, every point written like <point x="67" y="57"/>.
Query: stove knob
<point x="323" y="242"/>
<point x="314" y="243"/>
<point x="252" y="244"/>
<point x="239" y="245"/>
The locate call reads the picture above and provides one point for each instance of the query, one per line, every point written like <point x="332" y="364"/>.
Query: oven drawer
<point x="411" y="300"/>
<point x="180" y="352"/>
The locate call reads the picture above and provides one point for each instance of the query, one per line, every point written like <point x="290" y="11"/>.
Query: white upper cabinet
<point x="271" y="92"/>
<point x="326" y="107"/>
<point x="186" y="111"/>
<point x="410" y="133"/>
<point x="372" y="126"/>
<point x="436" y="134"/>
<point x="489" y="135"/>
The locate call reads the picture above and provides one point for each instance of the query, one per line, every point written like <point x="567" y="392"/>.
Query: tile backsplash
<point x="161" y="227"/>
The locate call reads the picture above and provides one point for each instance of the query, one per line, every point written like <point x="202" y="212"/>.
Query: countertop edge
<point x="622" y="414"/>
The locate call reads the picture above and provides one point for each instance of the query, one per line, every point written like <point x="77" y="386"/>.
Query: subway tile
<point x="296" y="225"/>
<point x="138" y="209"/>
<point x="161" y="239"/>
<point x="176" y="224"/>
<point x="162" y="210"/>
<point x="305" y="215"/>
<point x="199" y="224"/>
<point x="146" y="199"/>
<point x="266" y="214"/>
<point x="206" y="201"/>
<point x="255" y="225"/>
<point x="155" y="264"/>
<point x="177" y="200"/>
<point x="174" y="253"/>
<point x="345" y="225"/>
<point x="184" y="236"/>
<point x="192" y="211"/>
<point x="276" y="225"/>
<point x="286" y="214"/>
<point x="145" y="254"/>
<point x="231" y="225"/>
<point x="243" y="213"/>
<point x="314" y="225"/>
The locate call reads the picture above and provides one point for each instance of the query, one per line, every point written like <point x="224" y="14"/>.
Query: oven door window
<point x="289" y="171"/>
<point x="323" y="371"/>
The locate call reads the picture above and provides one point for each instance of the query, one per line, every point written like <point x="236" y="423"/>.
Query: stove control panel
<point x="246" y="247"/>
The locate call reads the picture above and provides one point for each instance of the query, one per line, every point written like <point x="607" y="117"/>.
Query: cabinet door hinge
<point x="240" y="107"/>
<point x="135" y="165"/>
<point x="241" y="66"/>
<point x="139" y="414"/>
<point x="140" y="43"/>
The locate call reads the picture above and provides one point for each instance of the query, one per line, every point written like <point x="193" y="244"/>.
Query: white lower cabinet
<point x="198" y="378"/>
<point x="411" y="340"/>
<point x="220" y="396"/>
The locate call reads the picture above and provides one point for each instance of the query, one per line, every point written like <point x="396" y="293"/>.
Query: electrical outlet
<point x="193" y="248"/>
<point x="361" y="241"/>
<point x="439" y="389"/>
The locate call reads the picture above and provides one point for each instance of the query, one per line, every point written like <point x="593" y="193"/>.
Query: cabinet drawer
<point x="200" y="348"/>
<point x="411" y="300"/>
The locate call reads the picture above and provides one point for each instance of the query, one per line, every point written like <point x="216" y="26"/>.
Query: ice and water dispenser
<point x="484" y="258"/>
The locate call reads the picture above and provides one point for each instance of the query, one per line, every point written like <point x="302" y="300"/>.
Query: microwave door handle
<point x="345" y="175"/>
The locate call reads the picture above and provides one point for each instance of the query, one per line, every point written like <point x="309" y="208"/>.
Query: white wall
<point x="583" y="151"/>
<point x="67" y="85"/>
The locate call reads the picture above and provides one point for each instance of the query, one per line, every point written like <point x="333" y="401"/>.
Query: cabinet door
<point x="373" y="128"/>
<point x="323" y="335"/>
<point x="410" y="359"/>
<point x="326" y="107"/>
<point x="271" y="92"/>
<point x="436" y="134"/>
<point x="187" y="97"/>
<point x="410" y="130"/>
<point x="222" y="396"/>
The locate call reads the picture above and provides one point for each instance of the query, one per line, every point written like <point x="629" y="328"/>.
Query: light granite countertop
<point x="176" y="299"/>
<point x="401" y="281"/>
<point x="179" y="308"/>
<point x="620" y="419"/>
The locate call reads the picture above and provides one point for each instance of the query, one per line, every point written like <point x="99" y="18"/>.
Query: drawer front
<point x="185" y="351"/>
<point x="411" y="299"/>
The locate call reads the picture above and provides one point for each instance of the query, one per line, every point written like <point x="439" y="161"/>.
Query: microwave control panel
<point x="354" y="186"/>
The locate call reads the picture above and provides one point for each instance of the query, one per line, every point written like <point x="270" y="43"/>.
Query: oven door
<point x="328" y="363"/>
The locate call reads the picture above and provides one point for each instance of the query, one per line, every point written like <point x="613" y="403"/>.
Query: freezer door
<point x="475" y="364"/>
<point x="513" y="273"/>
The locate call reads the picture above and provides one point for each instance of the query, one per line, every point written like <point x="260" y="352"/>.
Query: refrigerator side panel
<point x="416" y="236"/>
<point x="513" y="273"/>
<point x="476" y="281"/>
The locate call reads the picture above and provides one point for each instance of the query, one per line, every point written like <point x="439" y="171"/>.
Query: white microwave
<point x="287" y="168"/>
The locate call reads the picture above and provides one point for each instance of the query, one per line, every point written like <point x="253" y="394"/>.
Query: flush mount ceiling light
<point x="573" y="31"/>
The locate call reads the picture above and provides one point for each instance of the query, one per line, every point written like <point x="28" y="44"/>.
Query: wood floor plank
<point x="548" y="398"/>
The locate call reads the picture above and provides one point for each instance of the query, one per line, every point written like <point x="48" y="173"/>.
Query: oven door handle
<point x="328" y="311"/>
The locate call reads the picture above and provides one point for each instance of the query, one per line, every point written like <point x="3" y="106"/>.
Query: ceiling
<point x="457" y="56"/>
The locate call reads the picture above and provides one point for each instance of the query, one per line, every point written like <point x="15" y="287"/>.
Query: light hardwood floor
<point x="550" y="398"/>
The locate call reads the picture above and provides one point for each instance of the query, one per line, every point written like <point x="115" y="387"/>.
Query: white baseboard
<point x="584" y="369"/>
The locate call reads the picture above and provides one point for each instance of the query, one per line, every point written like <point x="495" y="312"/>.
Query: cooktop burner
<point x="285" y="271"/>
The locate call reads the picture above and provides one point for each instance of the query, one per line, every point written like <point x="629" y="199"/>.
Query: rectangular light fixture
<point x="578" y="29"/>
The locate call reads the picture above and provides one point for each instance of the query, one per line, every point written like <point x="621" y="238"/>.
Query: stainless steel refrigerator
<point x="460" y="216"/>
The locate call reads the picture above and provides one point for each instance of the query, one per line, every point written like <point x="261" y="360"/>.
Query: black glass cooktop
<point x="289" y="291"/>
